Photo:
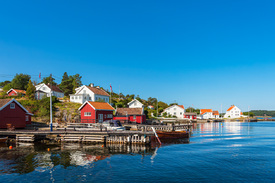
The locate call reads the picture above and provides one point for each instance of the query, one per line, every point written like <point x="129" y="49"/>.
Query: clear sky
<point x="196" y="52"/>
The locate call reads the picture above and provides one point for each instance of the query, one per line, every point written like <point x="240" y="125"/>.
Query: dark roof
<point x="190" y="113"/>
<point x="55" y="88"/>
<point x="4" y="102"/>
<point x="129" y="111"/>
<point x="98" y="91"/>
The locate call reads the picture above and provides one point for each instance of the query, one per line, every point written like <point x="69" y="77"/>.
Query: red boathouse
<point x="94" y="112"/>
<point x="15" y="92"/>
<point x="13" y="114"/>
<point x="190" y="115"/>
<point x="135" y="115"/>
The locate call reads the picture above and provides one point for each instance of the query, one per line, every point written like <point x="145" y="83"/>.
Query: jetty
<point x="139" y="134"/>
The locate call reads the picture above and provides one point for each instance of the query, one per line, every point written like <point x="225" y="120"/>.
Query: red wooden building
<point x="13" y="114"/>
<point x="94" y="112"/>
<point x="190" y="115"/>
<point x="15" y="92"/>
<point x="135" y="115"/>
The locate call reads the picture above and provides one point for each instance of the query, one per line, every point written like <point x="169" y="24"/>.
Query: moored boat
<point x="173" y="134"/>
<point x="3" y="139"/>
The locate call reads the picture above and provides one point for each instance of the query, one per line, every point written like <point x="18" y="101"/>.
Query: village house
<point x="89" y="93"/>
<point x="13" y="114"/>
<point x="134" y="113"/>
<point x="206" y="114"/>
<point x="216" y="114"/>
<point x="15" y="92"/>
<point x="42" y="90"/>
<point x="175" y="110"/>
<point x="94" y="112"/>
<point x="190" y="115"/>
<point x="233" y="112"/>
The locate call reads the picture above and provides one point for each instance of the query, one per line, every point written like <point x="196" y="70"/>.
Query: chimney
<point x="98" y="87"/>
<point x="92" y="84"/>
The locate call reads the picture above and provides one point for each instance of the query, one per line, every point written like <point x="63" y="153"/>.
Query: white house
<point x="216" y="114"/>
<point x="206" y="114"/>
<point x="135" y="104"/>
<point x="43" y="90"/>
<point x="89" y="93"/>
<point x="233" y="112"/>
<point x="175" y="110"/>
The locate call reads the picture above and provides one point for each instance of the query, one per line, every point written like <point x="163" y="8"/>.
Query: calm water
<point x="239" y="152"/>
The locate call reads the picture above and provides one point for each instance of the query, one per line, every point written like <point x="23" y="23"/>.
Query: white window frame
<point x="12" y="106"/>
<point x="27" y="118"/>
<point x="87" y="114"/>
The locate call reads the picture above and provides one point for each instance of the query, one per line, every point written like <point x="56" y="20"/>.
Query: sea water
<point x="216" y="152"/>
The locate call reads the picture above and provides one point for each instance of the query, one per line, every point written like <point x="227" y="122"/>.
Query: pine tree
<point x="66" y="84"/>
<point x="30" y="90"/>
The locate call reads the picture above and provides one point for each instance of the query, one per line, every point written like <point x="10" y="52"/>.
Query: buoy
<point x="10" y="147"/>
<point x="221" y="123"/>
<point x="48" y="149"/>
<point x="102" y="146"/>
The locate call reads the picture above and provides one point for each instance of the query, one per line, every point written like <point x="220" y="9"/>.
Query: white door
<point x="100" y="118"/>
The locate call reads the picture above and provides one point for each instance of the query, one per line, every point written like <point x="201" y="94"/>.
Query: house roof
<point x="181" y="106"/>
<point x="129" y="111"/>
<point x="98" y="91"/>
<point x="230" y="108"/>
<point x="206" y="110"/>
<point x="17" y="91"/>
<point x="55" y="88"/>
<point x="134" y="101"/>
<point x="98" y="106"/>
<point x="216" y="113"/>
<point x="190" y="113"/>
<point x="5" y="102"/>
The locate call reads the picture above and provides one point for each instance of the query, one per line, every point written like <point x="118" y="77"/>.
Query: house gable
<point x="135" y="104"/>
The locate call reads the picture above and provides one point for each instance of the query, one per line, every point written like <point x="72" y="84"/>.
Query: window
<point x="134" y="117"/>
<point x="12" y="94"/>
<point x="44" y="88"/>
<point x="175" y="113"/>
<point x="175" y="108"/>
<point x="109" y="116"/>
<point x="12" y="105"/>
<point x="27" y="118"/>
<point x="96" y="98"/>
<point x="87" y="113"/>
<point x="135" y="104"/>
<point x="72" y="97"/>
<point x="181" y="113"/>
<point x="85" y="98"/>
<point x="75" y="97"/>
<point x="90" y="98"/>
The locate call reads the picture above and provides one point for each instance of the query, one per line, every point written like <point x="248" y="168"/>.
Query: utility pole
<point x="157" y="108"/>
<point x="51" y="112"/>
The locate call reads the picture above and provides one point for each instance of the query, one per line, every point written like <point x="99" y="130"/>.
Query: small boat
<point x="113" y="125"/>
<point x="173" y="134"/>
<point x="3" y="139"/>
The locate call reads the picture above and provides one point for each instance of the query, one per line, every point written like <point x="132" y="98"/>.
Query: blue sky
<point x="201" y="53"/>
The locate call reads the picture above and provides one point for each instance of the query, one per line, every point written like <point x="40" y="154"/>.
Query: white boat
<point x="113" y="125"/>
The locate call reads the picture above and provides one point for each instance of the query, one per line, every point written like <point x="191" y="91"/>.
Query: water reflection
<point x="25" y="158"/>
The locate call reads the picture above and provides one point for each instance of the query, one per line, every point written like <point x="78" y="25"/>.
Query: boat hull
<point x="173" y="135"/>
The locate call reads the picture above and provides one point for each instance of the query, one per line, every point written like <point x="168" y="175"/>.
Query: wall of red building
<point x="16" y="117"/>
<point x="188" y="116"/>
<point x="139" y="118"/>
<point x="12" y="93"/>
<point x="94" y="114"/>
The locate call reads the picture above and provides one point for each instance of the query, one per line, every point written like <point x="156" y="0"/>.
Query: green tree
<point x="66" y="84"/>
<point x="2" y="84"/>
<point x="76" y="81"/>
<point x="30" y="90"/>
<point x="7" y="87"/>
<point x="49" y="80"/>
<point x="20" y="81"/>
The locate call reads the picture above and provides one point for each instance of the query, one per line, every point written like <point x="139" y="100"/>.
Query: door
<point x="100" y="118"/>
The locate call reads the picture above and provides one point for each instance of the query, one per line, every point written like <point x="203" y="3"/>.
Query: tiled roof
<point x="129" y="111"/>
<point x="216" y="113"/>
<point x="181" y="106"/>
<point x="230" y="108"/>
<point x="55" y="88"/>
<point x="98" y="91"/>
<point x="205" y="110"/>
<point x="20" y="91"/>
<point x="4" y="101"/>
<point x="101" y="106"/>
